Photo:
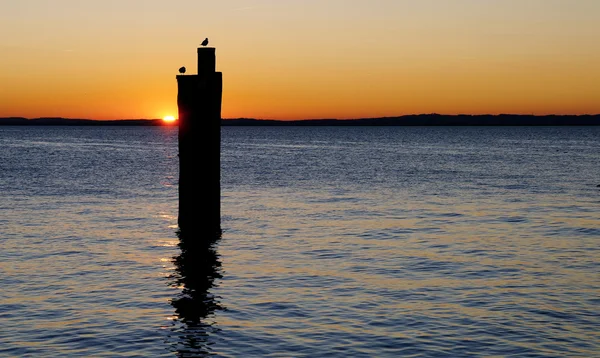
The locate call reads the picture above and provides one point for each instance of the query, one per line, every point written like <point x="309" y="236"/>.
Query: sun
<point x="169" y="119"/>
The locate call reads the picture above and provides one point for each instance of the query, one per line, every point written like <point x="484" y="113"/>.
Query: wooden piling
<point x="199" y="101"/>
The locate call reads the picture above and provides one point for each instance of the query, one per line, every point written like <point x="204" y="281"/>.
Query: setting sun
<point x="169" y="119"/>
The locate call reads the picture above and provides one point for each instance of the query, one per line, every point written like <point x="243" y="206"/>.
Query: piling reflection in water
<point x="196" y="269"/>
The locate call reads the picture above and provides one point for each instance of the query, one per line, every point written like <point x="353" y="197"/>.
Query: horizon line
<point x="321" y="119"/>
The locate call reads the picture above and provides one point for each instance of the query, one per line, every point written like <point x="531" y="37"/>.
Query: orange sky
<point x="297" y="59"/>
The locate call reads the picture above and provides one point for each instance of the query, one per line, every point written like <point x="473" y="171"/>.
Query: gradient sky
<point x="295" y="59"/>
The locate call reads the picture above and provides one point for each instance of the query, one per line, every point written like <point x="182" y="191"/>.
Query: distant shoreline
<point x="407" y="120"/>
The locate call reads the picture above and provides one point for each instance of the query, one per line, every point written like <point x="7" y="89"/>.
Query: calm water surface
<point x="337" y="242"/>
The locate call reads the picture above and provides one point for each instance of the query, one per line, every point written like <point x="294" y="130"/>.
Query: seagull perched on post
<point x="205" y="42"/>
<point x="182" y="70"/>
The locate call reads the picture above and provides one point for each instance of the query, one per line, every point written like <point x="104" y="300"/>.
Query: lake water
<point x="337" y="242"/>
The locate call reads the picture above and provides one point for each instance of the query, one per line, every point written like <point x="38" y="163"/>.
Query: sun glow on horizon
<point x="169" y="119"/>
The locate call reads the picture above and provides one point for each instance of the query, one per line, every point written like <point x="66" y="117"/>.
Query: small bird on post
<point x="182" y="70"/>
<point x="205" y="42"/>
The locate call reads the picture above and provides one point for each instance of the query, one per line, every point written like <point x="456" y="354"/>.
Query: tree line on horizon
<point x="406" y="120"/>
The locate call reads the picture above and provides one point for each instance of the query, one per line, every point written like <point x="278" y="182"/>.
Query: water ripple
<point x="337" y="242"/>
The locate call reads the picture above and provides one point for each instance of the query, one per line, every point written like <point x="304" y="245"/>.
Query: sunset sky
<point x="298" y="59"/>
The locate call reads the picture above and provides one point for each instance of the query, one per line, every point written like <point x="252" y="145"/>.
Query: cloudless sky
<point x="295" y="59"/>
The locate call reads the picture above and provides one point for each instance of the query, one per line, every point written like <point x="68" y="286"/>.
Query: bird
<point x="205" y="42"/>
<point x="182" y="70"/>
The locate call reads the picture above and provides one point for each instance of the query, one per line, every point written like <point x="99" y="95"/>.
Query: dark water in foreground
<point x="337" y="242"/>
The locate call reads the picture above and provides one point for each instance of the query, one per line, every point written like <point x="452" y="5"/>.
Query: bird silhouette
<point x="205" y="42"/>
<point x="182" y="70"/>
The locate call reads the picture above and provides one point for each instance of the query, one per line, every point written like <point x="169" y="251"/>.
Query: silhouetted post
<point x="199" y="101"/>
